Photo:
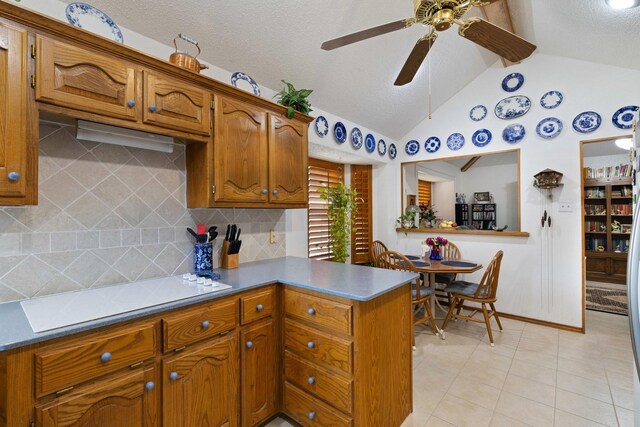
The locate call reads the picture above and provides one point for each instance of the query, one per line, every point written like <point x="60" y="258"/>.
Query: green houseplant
<point x="342" y="203"/>
<point x="294" y="100"/>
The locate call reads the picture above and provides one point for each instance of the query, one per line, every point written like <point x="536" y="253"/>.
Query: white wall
<point x="586" y="86"/>
<point x="604" y="161"/>
<point x="444" y="199"/>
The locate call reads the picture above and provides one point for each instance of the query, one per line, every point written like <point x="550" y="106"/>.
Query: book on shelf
<point x="618" y="171"/>
<point x="621" y="209"/>
<point x="592" y="243"/>
<point x="595" y="227"/>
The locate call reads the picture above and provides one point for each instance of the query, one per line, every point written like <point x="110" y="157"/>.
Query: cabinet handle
<point x="274" y="192"/>
<point x="311" y="312"/>
<point x="259" y="307"/>
<point x="173" y="376"/>
<point x="152" y="108"/>
<point x="264" y="191"/>
<point x="105" y="357"/>
<point x="310" y="344"/>
<point x="312" y="415"/>
<point x="149" y="386"/>
<point x="131" y="103"/>
<point x="205" y="324"/>
<point x="13" y="176"/>
<point x="249" y="344"/>
<point x="312" y="380"/>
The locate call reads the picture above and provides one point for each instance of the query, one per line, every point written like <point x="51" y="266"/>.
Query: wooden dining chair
<point x="420" y="294"/>
<point x="375" y="249"/>
<point x="449" y="252"/>
<point x="483" y="293"/>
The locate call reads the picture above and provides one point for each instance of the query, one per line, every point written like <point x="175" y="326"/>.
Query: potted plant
<point x="342" y="203"/>
<point x="294" y="100"/>
<point x="406" y="220"/>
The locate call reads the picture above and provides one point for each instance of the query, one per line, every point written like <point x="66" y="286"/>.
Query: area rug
<point x="607" y="300"/>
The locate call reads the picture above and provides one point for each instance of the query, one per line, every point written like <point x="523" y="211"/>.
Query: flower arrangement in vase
<point x="436" y="244"/>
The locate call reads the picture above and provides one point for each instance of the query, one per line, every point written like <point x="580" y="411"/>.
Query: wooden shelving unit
<point x="483" y="216"/>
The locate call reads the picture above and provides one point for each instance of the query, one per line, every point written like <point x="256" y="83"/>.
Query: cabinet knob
<point x="105" y="357"/>
<point x="131" y="103"/>
<point x="310" y="344"/>
<point x="312" y="380"/>
<point x="311" y="312"/>
<point x="173" y="376"/>
<point x="205" y="324"/>
<point x="149" y="386"/>
<point x="152" y="108"/>
<point x="312" y="415"/>
<point x="259" y="307"/>
<point x="274" y="192"/>
<point x="13" y="176"/>
<point x="264" y="191"/>
<point x="249" y="344"/>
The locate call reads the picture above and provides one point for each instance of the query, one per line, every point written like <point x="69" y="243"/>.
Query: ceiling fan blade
<point x="367" y="34"/>
<point x="496" y="39"/>
<point x="416" y="58"/>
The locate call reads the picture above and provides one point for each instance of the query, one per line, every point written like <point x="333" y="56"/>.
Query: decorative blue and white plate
<point x="455" y="141"/>
<point x="432" y="144"/>
<point x="623" y="118"/>
<point x="356" y="138"/>
<point x="513" y="107"/>
<point x="481" y="137"/>
<point x="90" y="18"/>
<point x="393" y="152"/>
<point x="322" y="126"/>
<point x="245" y="82"/>
<point x="478" y="113"/>
<point x="512" y="82"/>
<point x="382" y="147"/>
<point x="513" y="133"/>
<point x="587" y="122"/>
<point x="370" y="143"/>
<point x="412" y="147"/>
<point x="340" y="132"/>
<point x="551" y="99"/>
<point x="549" y="128"/>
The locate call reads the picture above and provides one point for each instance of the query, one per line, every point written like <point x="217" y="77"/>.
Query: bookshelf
<point x="607" y="205"/>
<point x="483" y="216"/>
<point x="462" y="214"/>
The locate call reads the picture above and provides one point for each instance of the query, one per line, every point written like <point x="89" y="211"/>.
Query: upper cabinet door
<point x="13" y="113"/>
<point x="69" y="76"/>
<point x="240" y="152"/>
<point x="288" y="159"/>
<point x="176" y="105"/>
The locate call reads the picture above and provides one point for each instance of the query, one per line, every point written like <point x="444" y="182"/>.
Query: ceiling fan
<point x="440" y="15"/>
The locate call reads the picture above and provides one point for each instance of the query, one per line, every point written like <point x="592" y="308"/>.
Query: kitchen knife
<point x="234" y="228"/>
<point x="226" y="237"/>
<point x="238" y="235"/>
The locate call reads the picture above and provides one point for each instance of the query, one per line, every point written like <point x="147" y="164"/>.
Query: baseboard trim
<point x="542" y="322"/>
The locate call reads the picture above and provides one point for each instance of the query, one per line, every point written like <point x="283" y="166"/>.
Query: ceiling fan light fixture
<point x="622" y="4"/>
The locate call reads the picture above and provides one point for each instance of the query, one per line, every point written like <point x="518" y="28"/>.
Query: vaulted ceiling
<point x="280" y="39"/>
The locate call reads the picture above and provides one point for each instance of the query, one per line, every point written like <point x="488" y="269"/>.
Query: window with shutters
<point x="361" y="231"/>
<point x="424" y="192"/>
<point x="321" y="174"/>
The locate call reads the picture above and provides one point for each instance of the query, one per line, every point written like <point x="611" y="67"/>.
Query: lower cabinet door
<point x="200" y="386"/>
<point x="129" y="400"/>
<point x="258" y="364"/>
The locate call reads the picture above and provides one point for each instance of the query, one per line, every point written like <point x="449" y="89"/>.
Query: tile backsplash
<point x="109" y="214"/>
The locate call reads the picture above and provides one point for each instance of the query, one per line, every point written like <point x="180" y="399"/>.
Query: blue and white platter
<point x="549" y="128"/>
<point x="90" y="18"/>
<point x="587" y="122"/>
<point x="432" y="144"/>
<point x="623" y="118"/>
<point x="412" y="147"/>
<point x="382" y="147"/>
<point x="393" y="152"/>
<point x="455" y="141"/>
<point x="370" y="143"/>
<point x="322" y="126"/>
<point x="356" y="138"/>
<point x="481" y="137"/>
<point x="513" y="133"/>
<point x="340" y="132"/>
<point x="551" y="99"/>
<point x="512" y="82"/>
<point x="513" y="107"/>
<point x="478" y="113"/>
<point x="245" y="82"/>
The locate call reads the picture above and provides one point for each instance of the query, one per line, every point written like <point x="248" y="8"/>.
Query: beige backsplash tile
<point x="110" y="214"/>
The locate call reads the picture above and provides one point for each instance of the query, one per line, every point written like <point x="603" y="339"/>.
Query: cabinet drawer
<point x="309" y="411"/>
<point x="256" y="306"/>
<point x="91" y="357"/>
<point x="185" y="328"/>
<point x="318" y="346"/>
<point x="329" y="387"/>
<point x="320" y="311"/>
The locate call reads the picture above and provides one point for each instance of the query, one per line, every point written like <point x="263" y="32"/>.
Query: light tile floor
<point x="534" y="376"/>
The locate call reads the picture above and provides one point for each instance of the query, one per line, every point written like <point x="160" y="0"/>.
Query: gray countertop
<point x="349" y="281"/>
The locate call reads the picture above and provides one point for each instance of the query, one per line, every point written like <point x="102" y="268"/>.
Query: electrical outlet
<point x="565" y="206"/>
<point x="273" y="238"/>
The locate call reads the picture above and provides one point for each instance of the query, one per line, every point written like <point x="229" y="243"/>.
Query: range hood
<point x="98" y="132"/>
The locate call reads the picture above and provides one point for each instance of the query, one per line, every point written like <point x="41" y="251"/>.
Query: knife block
<point x="228" y="261"/>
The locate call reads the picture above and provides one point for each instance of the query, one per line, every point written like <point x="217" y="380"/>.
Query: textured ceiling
<point x="274" y="40"/>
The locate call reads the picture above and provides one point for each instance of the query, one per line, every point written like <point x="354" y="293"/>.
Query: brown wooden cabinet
<point x="200" y="386"/>
<point x="288" y="161"/>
